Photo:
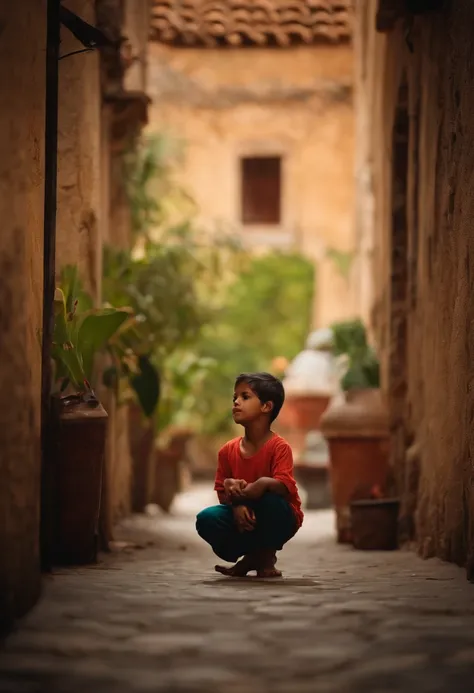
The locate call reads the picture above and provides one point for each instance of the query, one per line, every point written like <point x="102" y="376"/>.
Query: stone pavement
<point x="158" y="619"/>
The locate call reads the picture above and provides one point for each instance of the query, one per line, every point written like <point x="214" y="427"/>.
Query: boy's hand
<point x="244" y="518"/>
<point x="234" y="488"/>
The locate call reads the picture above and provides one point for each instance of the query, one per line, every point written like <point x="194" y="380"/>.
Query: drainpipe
<point x="49" y="261"/>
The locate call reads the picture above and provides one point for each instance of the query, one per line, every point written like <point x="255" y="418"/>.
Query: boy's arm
<point x="222" y="473"/>
<point x="265" y="483"/>
<point x="281" y="482"/>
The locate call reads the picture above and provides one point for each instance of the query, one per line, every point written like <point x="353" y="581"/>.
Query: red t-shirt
<point x="274" y="459"/>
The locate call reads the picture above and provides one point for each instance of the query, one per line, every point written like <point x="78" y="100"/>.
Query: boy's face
<point x="247" y="406"/>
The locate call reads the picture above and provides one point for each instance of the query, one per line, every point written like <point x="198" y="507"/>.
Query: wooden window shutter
<point x="261" y="190"/>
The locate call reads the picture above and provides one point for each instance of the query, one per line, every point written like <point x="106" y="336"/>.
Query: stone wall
<point x="435" y="251"/>
<point x="296" y="103"/>
<point x="22" y="85"/>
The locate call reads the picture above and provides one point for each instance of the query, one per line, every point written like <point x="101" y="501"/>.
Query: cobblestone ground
<point x="158" y="618"/>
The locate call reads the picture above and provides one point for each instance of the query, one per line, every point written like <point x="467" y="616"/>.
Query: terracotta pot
<point x="303" y="412"/>
<point x="356" y="427"/>
<point x="375" y="524"/>
<point x="142" y="437"/>
<point x="167" y="464"/>
<point x="167" y="478"/>
<point x="79" y="438"/>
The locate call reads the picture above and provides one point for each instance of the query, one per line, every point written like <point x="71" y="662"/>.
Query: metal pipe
<point x="49" y="277"/>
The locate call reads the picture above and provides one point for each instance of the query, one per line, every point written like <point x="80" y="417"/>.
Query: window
<point x="261" y="190"/>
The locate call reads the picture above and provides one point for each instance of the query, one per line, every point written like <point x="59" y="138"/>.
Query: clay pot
<point x="375" y="524"/>
<point x="303" y="412"/>
<point x="79" y="436"/>
<point x="300" y="414"/>
<point x="167" y="478"/>
<point x="356" y="426"/>
<point x="167" y="464"/>
<point x="142" y="437"/>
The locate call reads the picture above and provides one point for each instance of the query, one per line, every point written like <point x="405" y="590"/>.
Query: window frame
<point x="274" y="218"/>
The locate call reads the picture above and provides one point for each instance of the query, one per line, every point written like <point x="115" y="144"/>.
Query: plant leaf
<point x="95" y="331"/>
<point x="68" y="364"/>
<point x="146" y="384"/>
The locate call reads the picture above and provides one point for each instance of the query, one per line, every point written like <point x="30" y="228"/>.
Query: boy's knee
<point x="277" y="517"/>
<point x="272" y="503"/>
<point x="209" y="520"/>
<point x="204" y="521"/>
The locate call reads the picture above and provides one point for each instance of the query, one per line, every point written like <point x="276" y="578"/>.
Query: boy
<point x="260" y="509"/>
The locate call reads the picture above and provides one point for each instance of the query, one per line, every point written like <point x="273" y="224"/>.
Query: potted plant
<point x="374" y="522"/>
<point x="126" y="369"/>
<point x="309" y="383"/>
<point x="79" y="426"/>
<point x="356" y="424"/>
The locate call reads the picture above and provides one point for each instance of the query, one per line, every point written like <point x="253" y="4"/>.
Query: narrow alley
<point x="157" y="618"/>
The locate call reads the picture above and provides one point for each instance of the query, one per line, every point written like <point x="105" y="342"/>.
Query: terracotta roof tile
<point x="251" y="22"/>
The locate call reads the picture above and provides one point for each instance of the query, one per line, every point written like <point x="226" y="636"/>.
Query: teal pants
<point x="275" y="525"/>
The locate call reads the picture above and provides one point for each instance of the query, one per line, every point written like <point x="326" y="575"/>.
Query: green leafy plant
<point x="171" y="279"/>
<point x="361" y="366"/>
<point x="207" y="310"/>
<point x="82" y="333"/>
<point x="78" y="337"/>
<point x="151" y="188"/>
<point x="264" y="313"/>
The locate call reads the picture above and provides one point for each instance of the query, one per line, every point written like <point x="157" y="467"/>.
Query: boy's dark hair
<point x="267" y="388"/>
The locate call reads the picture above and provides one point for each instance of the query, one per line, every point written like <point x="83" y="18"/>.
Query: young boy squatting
<point x="260" y="509"/>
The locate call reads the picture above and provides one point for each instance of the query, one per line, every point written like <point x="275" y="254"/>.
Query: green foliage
<point x="362" y="366"/>
<point x="171" y="288"/>
<point x="349" y="337"/>
<point x="264" y="314"/>
<point x="269" y="305"/>
<point x="205" y="309"/>
<point x="78" y="337"/>
<point x="151" y="189"/>
<point x="74" y="293"/>
<point x="146" y="383"/>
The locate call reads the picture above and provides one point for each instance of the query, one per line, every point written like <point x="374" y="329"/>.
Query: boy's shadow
<point x="276" y="583"/>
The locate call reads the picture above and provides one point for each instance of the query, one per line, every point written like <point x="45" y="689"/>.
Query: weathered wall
<point x="136" y="28"/>
<point x="436" y="472"/>
<point x="79" y="207"/>
<point x="296" y="103"/>
<point x="22" y="75"/>
<point x="123" y="84"/>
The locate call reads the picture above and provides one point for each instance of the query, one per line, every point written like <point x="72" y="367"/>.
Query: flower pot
<point x="303" y="412"/>
<point x="356" y="427"/>
<point x="167" y="468"/>
<point x="142" y="437"/>
<point x="309" y="384"/>
<point x="79" y="438"/>
<point x="167" y="478"/>
<point x="375" y="524"/>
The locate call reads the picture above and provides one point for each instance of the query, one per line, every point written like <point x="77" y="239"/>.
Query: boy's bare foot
<point x="241" y="568"/>
<point x="266" y="567"/>
<point x="263" y="562"/>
